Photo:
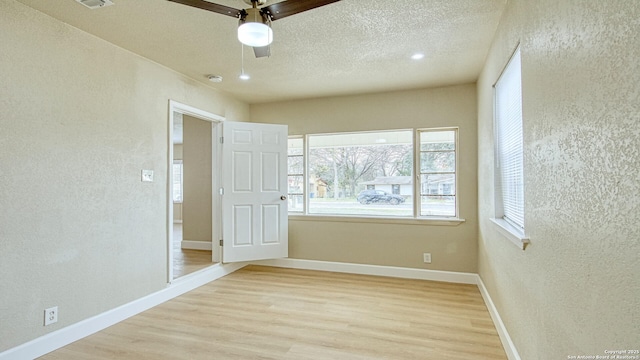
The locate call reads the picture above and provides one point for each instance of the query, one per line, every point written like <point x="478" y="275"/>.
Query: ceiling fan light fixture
<point x="254" y="29"/>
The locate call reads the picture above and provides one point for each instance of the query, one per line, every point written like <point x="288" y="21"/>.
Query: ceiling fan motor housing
<point x="259" y="2"/>
<point x="254" y="15"/>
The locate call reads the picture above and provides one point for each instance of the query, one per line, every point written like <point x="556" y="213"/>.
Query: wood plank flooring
<point x="285" y="314"/>
<point x="186" y="261"/>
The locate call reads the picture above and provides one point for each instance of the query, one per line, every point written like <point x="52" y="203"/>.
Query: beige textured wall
<point x="80" y="118"/>
<point x="177" y="150"/>
<point x="196" y="207"/>
<point x="452" y="247"/>
<point x="575" y="290"/>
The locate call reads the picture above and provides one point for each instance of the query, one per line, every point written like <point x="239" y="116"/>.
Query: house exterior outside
<point x="439" y="184"/>
<point x="317" y="187"/>
<point x="399" y="185"/>
<point x="444" y="184"/>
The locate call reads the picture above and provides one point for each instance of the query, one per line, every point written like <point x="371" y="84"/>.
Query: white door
<point x="254" y="200"/>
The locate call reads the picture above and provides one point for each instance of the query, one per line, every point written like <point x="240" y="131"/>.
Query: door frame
<point x="216" y="152"/>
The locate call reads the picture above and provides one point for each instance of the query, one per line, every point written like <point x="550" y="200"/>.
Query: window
<point x="177" y="181"/>
<point x="343" y="166"/>
<point x="372" y="174"/>
<point x="437" y="173"/>
<point x="295" y="176"/>
<point x="509" y="187"/>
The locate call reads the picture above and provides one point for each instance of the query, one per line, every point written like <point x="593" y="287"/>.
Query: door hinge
<point x="221" y="242"/>
<point x="221" y="191"/>
<point x="221" y="139"/>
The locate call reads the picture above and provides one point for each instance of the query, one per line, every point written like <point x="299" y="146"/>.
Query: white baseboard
<point x="507" y="343"/>
<point x="195" y="245"/>
<point x="364" y="269"/>
<point x="57" y="339"/>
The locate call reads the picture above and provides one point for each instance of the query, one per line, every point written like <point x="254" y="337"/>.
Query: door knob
<point x="283" y="197"/>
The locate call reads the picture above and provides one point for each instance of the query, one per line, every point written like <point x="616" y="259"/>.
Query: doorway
<point x="193" y="221"/>
<point x="247" y="193"/>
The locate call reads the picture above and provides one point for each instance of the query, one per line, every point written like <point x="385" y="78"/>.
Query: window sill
<point x="516" y="236"/>
<point x="379" y="220"/>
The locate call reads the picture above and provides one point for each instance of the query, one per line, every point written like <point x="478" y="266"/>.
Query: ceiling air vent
<point x="95" y="4"/>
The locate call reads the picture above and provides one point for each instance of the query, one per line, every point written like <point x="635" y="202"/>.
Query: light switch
<point x="147" y="175"/>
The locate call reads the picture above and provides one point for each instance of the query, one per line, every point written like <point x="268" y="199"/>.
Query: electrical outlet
<point x="426" y="258"/>
<point x="50" y="315"/>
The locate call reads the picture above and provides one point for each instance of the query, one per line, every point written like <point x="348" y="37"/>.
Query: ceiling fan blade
<point x="262" y="51"/>
<point x="287" y="8"/>
<point x="205" y="5"/>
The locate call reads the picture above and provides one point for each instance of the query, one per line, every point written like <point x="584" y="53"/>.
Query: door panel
<point x="242" y="164"/>
<point x="271" y="215"/>
<point x="255" y="183"/>
<point x="270" y="172"/>
<point x="242" y="235"/>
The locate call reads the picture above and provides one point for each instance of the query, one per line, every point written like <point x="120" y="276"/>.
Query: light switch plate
<point x="147" y="175"/>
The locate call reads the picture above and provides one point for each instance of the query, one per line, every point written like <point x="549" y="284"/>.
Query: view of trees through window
<point x="343" y="166"/>
<point x="372" y="173"/>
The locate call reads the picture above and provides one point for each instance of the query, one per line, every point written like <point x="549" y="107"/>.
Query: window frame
<point x="512" y="229"/>
<point x="181" y="163"/>
<point x="415" y="219"/>
<point x="418" y="173"/>
<point x="305" y="180"/>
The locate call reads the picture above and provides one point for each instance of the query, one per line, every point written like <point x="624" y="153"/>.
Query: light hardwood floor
<point x="285" y="314"/>
<point x="187" y="261"/>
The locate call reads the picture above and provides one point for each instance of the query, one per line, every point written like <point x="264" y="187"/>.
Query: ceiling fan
<point x="254" y="28"/>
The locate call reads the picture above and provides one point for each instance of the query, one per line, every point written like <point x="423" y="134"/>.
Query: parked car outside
<point x="379" y="196"/>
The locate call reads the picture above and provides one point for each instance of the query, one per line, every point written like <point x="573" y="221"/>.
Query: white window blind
<point x="509" y="144"/>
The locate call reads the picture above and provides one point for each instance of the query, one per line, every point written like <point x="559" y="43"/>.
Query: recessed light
<point x="417" y="56"/>
<point x="244" y="77"/>
<point x="215" y="78"/>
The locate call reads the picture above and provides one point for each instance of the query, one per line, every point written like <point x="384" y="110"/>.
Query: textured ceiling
<point x="348" y="47"/>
